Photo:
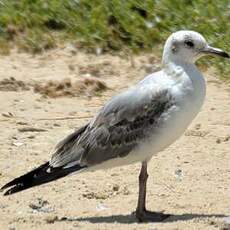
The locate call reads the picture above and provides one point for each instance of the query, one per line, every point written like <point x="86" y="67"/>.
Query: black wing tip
<point x="11" y="183"/>
<point x="37" y="177"/>
<point x="23" y="182"/>
<point x="13" y="187"/>
<point x="7" y="193"/>
<point x="2" y="189"/>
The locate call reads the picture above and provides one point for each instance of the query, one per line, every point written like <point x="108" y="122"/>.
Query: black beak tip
<point x="225" y="55"/>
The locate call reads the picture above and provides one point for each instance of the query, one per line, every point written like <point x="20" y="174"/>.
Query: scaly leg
<point x="141" y="213"/>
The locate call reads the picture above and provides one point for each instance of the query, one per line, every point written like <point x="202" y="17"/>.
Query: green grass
<point x="112" y="25"/>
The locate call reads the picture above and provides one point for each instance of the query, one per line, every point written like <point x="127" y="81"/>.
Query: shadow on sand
<point x="127" y="219"/>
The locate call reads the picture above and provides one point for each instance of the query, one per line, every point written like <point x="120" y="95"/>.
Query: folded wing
<point x="118" y="128"/>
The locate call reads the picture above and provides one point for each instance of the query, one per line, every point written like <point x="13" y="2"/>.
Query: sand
<point x="190" y="179"/>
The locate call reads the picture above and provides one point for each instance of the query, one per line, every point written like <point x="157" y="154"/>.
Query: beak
<point x="215" y="51"/>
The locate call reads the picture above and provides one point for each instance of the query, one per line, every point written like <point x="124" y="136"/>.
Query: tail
<point x="41" y="175"/>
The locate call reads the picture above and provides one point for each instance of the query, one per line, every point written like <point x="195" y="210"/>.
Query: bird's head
<point x="188" y="46"/>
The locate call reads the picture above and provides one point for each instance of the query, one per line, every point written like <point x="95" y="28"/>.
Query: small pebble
<point x="101" y="207"/>
<point x="179" y="174"/>
<point x="18" y="144"/>
<point x="9" y="114"/>
<point x="116" y="187"/>
<point x="21" y="123"/>
<point x="51" y="219"/>
<point x="57" y="125"/>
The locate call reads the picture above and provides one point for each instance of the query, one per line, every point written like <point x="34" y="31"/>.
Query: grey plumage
<point x="118" y="128"/>
<point x="136" y="124"/>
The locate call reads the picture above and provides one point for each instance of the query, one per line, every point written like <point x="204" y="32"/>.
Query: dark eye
<point x="189" y="44"/>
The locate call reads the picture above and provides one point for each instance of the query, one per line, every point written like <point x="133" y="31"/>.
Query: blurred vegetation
<point x="112" y="25"/>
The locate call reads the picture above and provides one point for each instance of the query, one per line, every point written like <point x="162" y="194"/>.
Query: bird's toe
<point x="148" y="216"/>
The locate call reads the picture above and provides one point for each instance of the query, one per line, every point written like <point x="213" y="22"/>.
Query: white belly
<point x="173" y="126"/>
<point x="190" y="97"/>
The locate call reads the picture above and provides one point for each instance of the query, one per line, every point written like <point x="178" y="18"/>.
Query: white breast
<point x="189" y="90"/>
<point x="189" y="93"/>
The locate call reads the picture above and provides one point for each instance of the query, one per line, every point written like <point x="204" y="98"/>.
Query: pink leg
<point x="141" y="213"/>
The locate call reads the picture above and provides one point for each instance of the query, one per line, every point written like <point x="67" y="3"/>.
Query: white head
<point x="187" y="46"/>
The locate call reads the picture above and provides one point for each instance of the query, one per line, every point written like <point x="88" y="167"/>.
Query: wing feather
<point x="118" y="128"/>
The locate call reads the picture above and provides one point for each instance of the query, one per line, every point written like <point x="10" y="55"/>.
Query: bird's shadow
<point x="128" y="219"/>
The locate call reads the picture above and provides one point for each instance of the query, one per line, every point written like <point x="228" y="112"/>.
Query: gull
<point x="136" y="124"/>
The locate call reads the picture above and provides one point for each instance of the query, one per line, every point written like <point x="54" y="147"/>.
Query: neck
<point x="177" y="67"/>
<point x="169" y="59"/>
<point x="181" y="70"/>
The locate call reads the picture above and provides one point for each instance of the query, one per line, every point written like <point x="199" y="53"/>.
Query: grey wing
<point x="119" y="127"/>
<point x="64" y="152"/>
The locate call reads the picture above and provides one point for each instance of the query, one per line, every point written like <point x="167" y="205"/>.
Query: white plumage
<point x="136" y="124"/>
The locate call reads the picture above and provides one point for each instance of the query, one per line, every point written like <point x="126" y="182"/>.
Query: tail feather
<point x="41" y="175"/>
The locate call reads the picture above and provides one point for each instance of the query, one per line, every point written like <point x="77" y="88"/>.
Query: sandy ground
<point x="190" y="180"/>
